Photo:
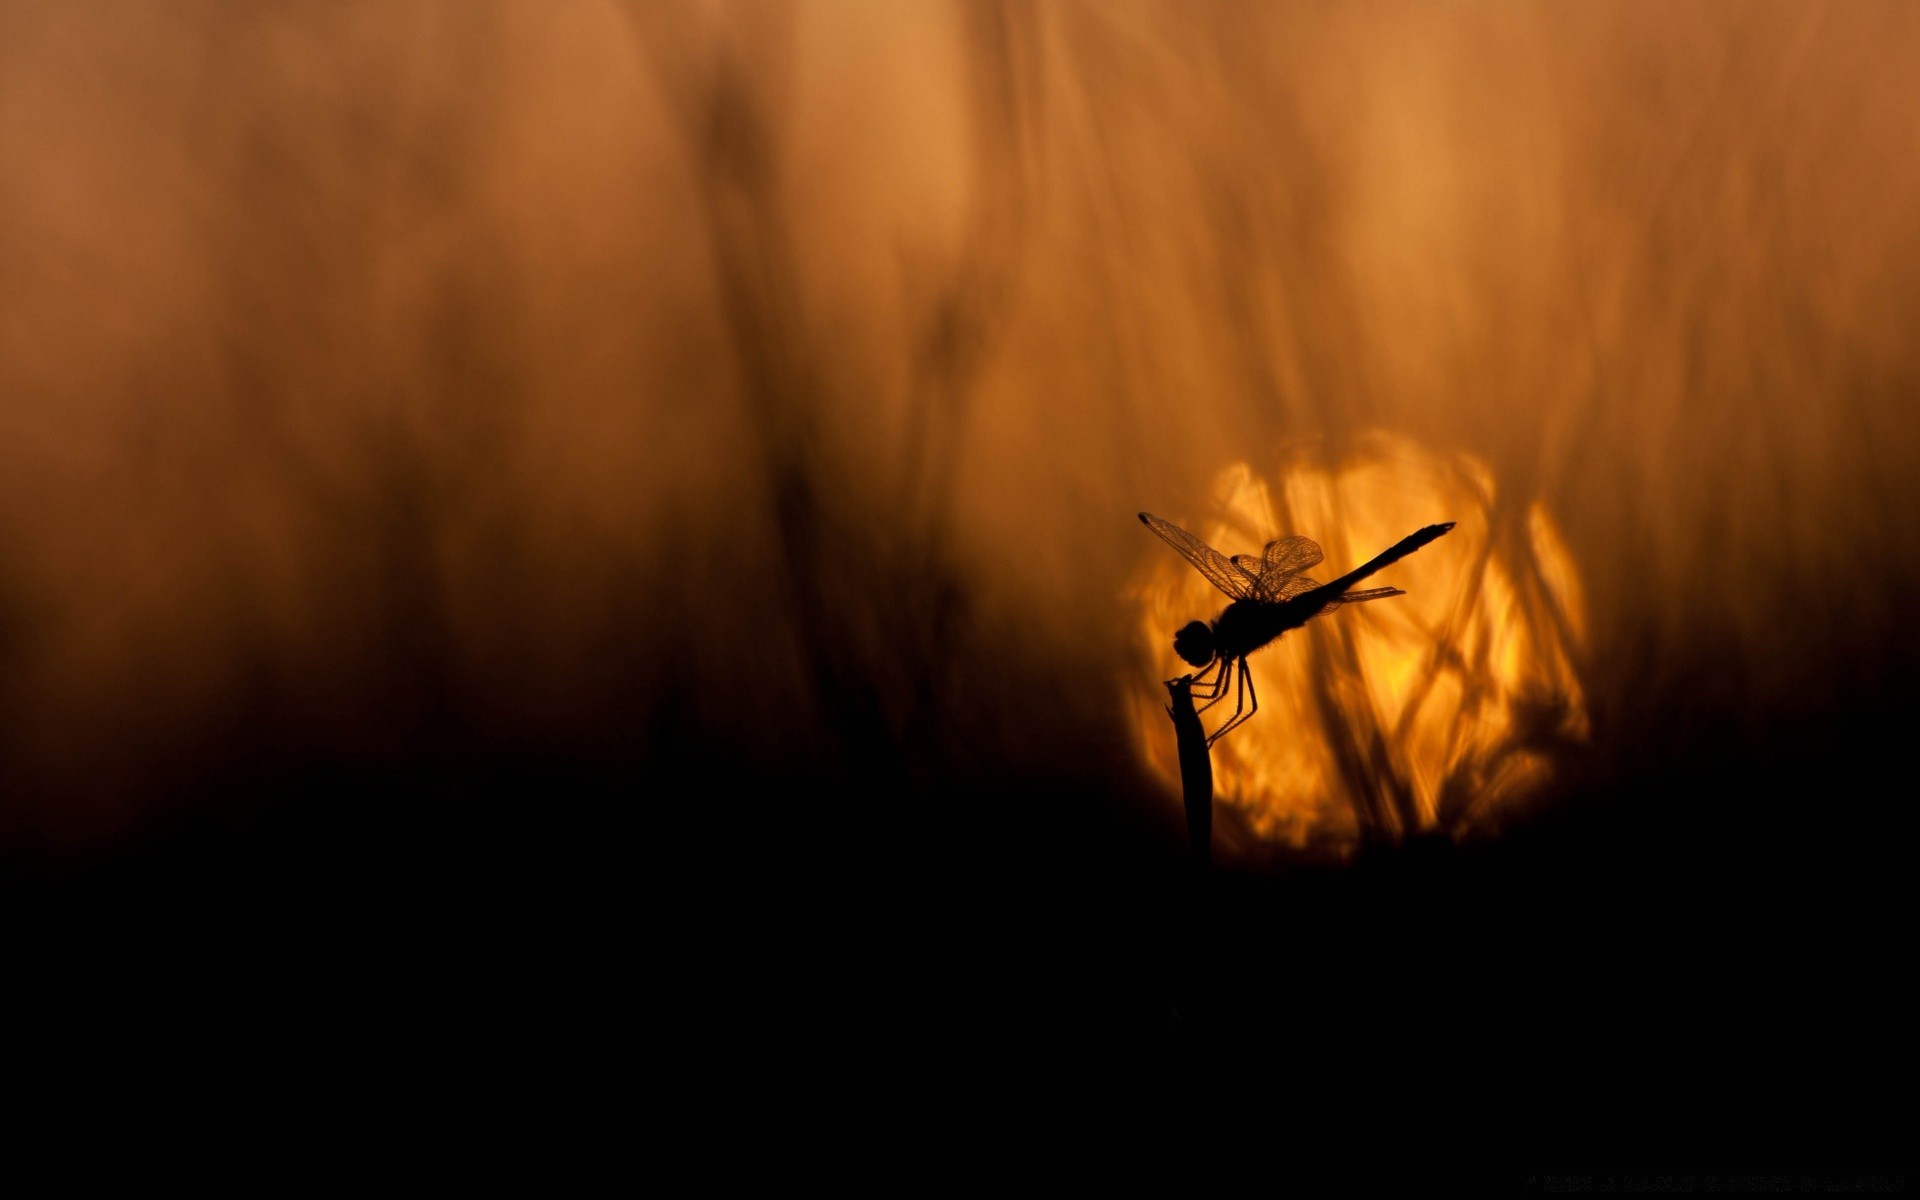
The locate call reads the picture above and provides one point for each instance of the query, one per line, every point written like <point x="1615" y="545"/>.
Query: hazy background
<point x="409" y="404"/>
<point x="376" y="377"/>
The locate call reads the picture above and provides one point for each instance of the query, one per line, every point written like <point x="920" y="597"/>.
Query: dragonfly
<point x="1271" y="594"/>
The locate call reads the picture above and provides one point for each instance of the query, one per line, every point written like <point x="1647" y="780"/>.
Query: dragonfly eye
<point x="1194" y="643"/>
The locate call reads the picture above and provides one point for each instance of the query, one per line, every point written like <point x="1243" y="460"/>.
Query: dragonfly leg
<point x="1201" y="684"/>
<point x="1239" y="674"/>
<point x="1253" y="701"/>
<point x="1239" y="704"/>
<point x="1215" y="689"/>
<point x="1239" y="701"/>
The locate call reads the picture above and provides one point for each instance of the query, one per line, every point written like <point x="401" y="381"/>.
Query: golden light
<point x="1442" y="710"/>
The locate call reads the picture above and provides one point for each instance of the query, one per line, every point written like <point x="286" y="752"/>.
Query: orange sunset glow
<point x="1443" y="709"/>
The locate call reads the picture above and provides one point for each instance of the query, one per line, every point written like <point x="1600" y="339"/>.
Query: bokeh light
<point x="1442" y="710"/>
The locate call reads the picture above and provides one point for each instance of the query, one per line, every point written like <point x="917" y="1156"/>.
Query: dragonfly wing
<point x="1292" y="555"/>
<point x="1283" y="559"/>
<point x="1220" y="570"/>
<point x="1251" y="566"/>
<point x="1380" y="593"/>
<point x="1298" y="585"/>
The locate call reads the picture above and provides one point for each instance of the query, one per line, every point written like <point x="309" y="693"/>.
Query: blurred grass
<point x="382" y="381"/>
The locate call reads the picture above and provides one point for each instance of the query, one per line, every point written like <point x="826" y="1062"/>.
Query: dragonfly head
<point x="1194" y="643"/>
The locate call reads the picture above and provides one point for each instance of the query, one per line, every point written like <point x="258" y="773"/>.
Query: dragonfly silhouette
<point x="1271" y="595"/>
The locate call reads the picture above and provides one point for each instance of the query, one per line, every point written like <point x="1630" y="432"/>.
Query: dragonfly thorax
<point x="1246" y="625"/>
<point x="1243" y="627"/>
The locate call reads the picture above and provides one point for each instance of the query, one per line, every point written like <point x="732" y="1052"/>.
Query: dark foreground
<point x="1688" y="967"/>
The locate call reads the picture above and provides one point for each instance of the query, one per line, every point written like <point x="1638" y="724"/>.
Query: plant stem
<point x="1196" y="771"/>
